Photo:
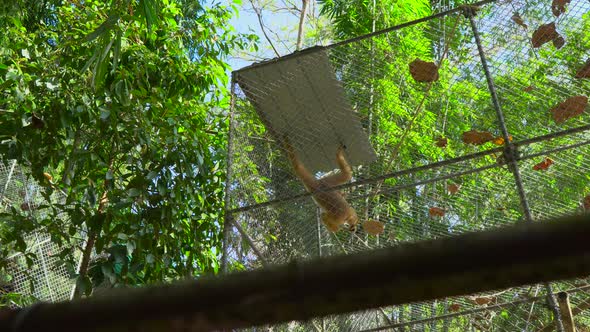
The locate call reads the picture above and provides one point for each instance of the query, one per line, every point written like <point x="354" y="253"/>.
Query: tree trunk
<point x="302" y="24"/>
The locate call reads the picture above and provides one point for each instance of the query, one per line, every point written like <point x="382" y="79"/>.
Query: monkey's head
<point x="333" y="222"/>
<point x="352" y="220"/>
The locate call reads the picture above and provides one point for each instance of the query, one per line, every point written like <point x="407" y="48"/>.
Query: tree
<point x="122" y="106"/>
<point x="285" y="26"/>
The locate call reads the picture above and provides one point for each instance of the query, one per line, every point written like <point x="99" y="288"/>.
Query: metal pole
<point x="45" y="269"/>
<point x="415" y="272"/>
<point x="510" y="151"/>
<point x="319" y="232"/>
<point x="360" y="38"/>
<point x="228" y="179"/>
<point x="9" y="178"/>
<point x="434" y="166"/>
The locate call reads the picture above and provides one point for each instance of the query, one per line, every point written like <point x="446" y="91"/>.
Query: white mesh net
<point x="39" y="272"/>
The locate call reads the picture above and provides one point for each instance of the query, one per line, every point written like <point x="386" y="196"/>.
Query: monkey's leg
<point x="308" y="179"/>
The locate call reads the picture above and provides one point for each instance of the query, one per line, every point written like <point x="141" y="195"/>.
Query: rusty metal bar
<point x="465" y="264"/>
<point x="470" y="312"/>
<point x="510" y="152"/>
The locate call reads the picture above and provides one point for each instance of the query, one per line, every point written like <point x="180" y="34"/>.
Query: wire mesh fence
<point x="39" y="271"/>
<point x="488" y="128"/>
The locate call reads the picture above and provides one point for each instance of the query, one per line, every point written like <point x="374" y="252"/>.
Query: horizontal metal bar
<point x="471" y="312"/>
<point x="553" y="135"/>
<point x="357" y="39"/>
<point x="431" y="166"/>
<point x="555" y="150"/>
<point x="470" y="263"/>
<point x="374" y="179"/>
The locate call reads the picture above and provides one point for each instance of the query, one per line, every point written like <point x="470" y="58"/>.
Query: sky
<point x="247" y="22"/>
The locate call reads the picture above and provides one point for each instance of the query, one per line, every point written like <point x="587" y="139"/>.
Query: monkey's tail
<point x="286" y="143"/>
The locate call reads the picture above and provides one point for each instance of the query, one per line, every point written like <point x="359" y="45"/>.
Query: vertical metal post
<point x="319" y="232"/>
<point x="369" y="188"/>
<point x="510" y="152"/>
<point x="9" y="178"/>
<point x="228" y="179"/>
<point x="228" y="220"/>
<point x="566" y="312"/>
<point x="554" y="308"/>
<point x="73" y="291"/>
<point x="45" y="268"/>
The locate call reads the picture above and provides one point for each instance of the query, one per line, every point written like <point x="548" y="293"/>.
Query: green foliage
<point x="404" y="117"/>
<point x="359" y="17"/>
<point x="9" y="299"/>
<point x="121" y="103"/>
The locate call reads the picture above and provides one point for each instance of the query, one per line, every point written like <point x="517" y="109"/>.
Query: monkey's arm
<point x="345" y="173"/>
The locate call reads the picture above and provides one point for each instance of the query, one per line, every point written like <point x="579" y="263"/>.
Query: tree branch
<point x="576" y="311"/>
<point x="93" y="236"/>
<point x="262" y="27"/>
<point x="301" y="24"/>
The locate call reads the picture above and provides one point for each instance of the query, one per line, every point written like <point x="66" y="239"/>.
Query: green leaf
<point x="101" y="65"/>
<point x="106" y="25"/>
<point x="84" y="285"/>
<point x="104" y="113"/>
<point x="149" y="12"/>
<point x="100" y="241"/>
<point x="95" y="222"/>
<point x="117" y="50"/>
<point x="122" y="92"/>
<point x="133" y="192"/>
<point x="91" y="60"/>
<point x="21" y="245"/>
<point x="108" y="272"/>
<point x="130" y="247"/>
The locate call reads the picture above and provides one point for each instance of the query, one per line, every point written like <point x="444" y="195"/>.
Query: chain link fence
<point x="39" y="272"/>
<point x="496" y="134"/>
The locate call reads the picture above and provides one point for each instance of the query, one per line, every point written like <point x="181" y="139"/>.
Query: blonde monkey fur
<point x="335" y="209"/>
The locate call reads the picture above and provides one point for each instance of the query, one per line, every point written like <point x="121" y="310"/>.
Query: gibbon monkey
<point x="335" y="209"/>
